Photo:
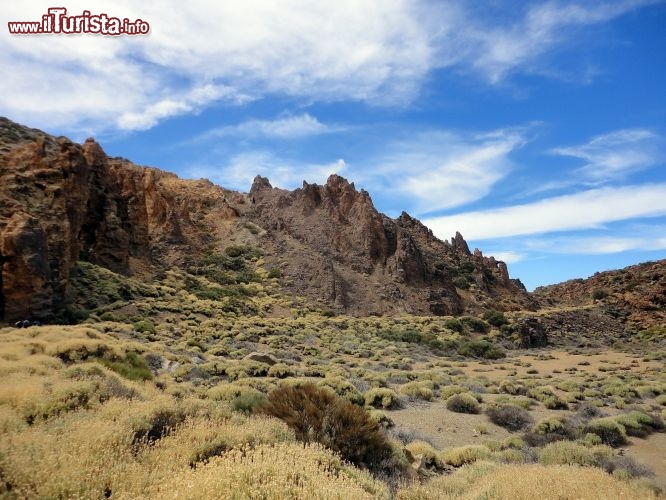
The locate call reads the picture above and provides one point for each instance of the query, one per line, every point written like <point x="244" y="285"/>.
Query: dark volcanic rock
<point x="531" y="333"/>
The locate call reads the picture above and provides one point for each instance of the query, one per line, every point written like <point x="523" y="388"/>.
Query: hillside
<point x="204" y="343"/>
<point x="64" y="202"/>
<point x="636" y="295"/>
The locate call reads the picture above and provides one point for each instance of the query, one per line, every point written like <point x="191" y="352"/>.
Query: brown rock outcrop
<point x="63" y="202"/>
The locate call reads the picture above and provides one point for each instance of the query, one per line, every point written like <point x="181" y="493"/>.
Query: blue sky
<point x="536" y="129"/>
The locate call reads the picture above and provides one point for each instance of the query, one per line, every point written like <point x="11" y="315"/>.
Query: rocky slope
<point x="635" y="295"/>
<point x="61" y="202"/>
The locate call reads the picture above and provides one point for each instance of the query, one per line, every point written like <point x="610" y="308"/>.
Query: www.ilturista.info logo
<point x="58" y="22"/>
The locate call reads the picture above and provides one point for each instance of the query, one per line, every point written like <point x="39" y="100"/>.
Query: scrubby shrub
<point x="510" y="417"/>
<point x="480" y="349"/>
<point x="449" y="390"/>
<point x="161" y="422"/>
<point x="429" y="456"/>
<point x="317" y="414"/>
<point x="247" y="402"/>
<point x="281" y="370"/>
<point x="465" y="454"/>
<point x="382" y="397"/>
<point x="599" y="294"/>
<point x="549" y="425"/>
<point x="274" y="272"/>
<point x="381" y="418"/>
<point x="510" y="387"/>
<point x="475" y="324"/>
<point x="609" y="430"/>
<point x="463" y="403"/>
<point x="454" y="325"/>
<point x="344" y="389"/>
<point x="551" y="429"/>
<point x="144" y="326"/>
<point x="495" y="318"/>
<point x="422" y="389"/>
<point x="132" y="367"/>
<point x="639" y="424"/>
<point x="555" y="403"/>
<point x="567" y="453"/>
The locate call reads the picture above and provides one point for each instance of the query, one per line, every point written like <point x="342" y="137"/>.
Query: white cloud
<point x="290" y="127"/>
<point x="508" y="256"/>
<point x="375" y="51"/>
<point x="609" y="245"/>
<point x="439" y="170"/>
<point x="497" y="50"/>
<point x="205" y="51"/>
<point x="615" y="155"/>
<point x="583" y="210"/>
<point x="242" y="168"/>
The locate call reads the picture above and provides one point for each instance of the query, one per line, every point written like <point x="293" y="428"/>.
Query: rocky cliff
<point x="61" y="202"/>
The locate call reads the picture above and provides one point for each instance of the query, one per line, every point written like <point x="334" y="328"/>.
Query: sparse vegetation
<point x="317" y="414"/>
<point x="173" y="371"/>
<point x="510" y="417"/>
<point x="463" y="403"/>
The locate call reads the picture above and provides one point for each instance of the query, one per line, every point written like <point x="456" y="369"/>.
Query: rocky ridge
<point x="63" y="202"/>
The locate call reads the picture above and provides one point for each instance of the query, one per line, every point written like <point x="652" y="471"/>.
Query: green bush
<point x="599" y="294"/>
<point x="454" y="325"/>
<point x="274" y="272"/>
<point x="495" y="318"/>
<point x="510" y="417"/>
<point x="382" y="397"/>
<point x="549" y="425"/>
<point x="144" y="326"/>
<point x="420" y="389"/>
<point x="567" y="453"/>
<point x="344" y="389"/>
<point x="463" y="403"/>
<point x="609" y="430"/>
<point x="247" y="402"/>
<point x="318" y="414"/>
<point x="132" y="367"/>
<point x="639" y="424"/>
<point x="555" y="403"/>
<point x="465" y="455"/>
<point x="475" y="324"/>
<point x="480" y="349"/>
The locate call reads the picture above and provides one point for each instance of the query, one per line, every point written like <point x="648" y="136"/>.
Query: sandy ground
<point x="651" y="452"/>
<point x="444" y="428"/>
<point x="447" y="429"/>
<point x="560" y="362"/>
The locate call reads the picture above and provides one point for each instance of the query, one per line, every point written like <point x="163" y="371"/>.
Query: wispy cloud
<point x="174" y="105"/>
<point x="438" y="170"/>
<point x="583" y="210"/>
<point x="203" y="52"/>
<point x="290" y="127"/>
<point x="497" y="50"/>
<point x="508" y="256"/>
<point x="615" y="155"/>
<point x="241" y="169"/>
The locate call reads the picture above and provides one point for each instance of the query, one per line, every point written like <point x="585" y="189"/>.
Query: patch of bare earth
<point x="651" y="452"/>
<point x="445" y="428"/>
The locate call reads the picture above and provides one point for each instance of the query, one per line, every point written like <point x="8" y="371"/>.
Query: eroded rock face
<point x="26" y="273"/>
<point x="531" y="333"/>
<point x="63" y="202"/>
